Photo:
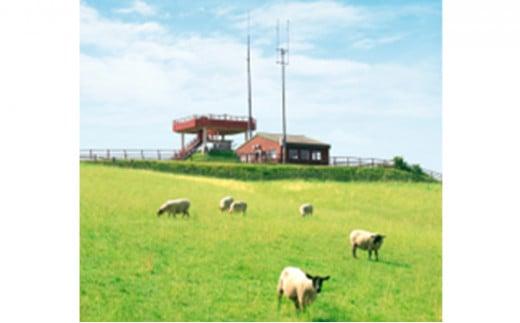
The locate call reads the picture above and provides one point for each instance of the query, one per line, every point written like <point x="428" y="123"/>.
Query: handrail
<point x="213" y="117"/>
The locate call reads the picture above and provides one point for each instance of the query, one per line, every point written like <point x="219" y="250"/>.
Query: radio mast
<point x="249" y="91"/>
<point x="283" y="61"/>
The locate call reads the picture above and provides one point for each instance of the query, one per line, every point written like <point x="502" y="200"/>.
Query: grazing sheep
<point x="225" y="203"/>
<point x="306" y="209"/>
<point x="172" y="207"/>
<point x="366" y="240"/>
<point x="238" y="206"/>
<point x="299" y="287"/>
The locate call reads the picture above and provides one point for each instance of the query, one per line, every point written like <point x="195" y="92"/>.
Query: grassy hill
<point x="215" y="156"/>
<point x="219" y="267"/>
<point x="243" y="171"/>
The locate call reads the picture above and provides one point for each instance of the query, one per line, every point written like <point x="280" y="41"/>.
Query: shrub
<point x="401" y="164"/>
<point x="273" y="171"/>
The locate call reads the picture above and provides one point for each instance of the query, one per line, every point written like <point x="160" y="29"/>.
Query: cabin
<point x="267" y="148"/>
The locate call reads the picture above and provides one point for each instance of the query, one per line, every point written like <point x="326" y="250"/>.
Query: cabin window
<point x="316" y="155"/>
<point x="293" y="154"/>
<point x="305" y="154"/>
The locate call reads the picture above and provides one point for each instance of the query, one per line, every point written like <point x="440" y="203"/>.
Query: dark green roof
<point x="291" y="139"/>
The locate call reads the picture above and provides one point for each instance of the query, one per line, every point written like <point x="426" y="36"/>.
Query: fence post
<point x="360" y="161"/>
<point x="108" y="153"/>
<point x="348" y="161"/>
<point x="159" y="154"/>
<point x="373" y="162"/>
<point x="142" y="154"/>
<point x="90" y="154"/>
<point x="124" y="153"/>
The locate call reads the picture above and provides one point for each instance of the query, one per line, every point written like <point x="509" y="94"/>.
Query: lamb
<point x="238" y="206"/>
<point x="225" y="203"/>
<point x="299" y="287"/>
<point x="306" y="209"/>
<point x="366" y="240"/>
<point x="172" y="207"/>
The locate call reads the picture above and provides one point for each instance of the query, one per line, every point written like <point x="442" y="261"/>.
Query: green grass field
<point x="218" y="267"/>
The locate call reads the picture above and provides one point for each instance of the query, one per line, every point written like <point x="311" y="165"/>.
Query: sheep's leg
<point x="369" y="254"/>
<point x="301" y="302"/>
<point x="297" y="305"/>
<point x="354" y="247"/>
<point x="377" y="256"/>
<point x="280" y="294"/>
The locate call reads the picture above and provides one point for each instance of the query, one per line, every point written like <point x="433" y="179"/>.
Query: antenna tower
<point x="283" y="60"/>
<point x="249" y="91"/>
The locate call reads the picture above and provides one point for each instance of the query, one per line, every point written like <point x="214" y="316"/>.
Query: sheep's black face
<point x="378" y="239"/>
<point x="159" y="212"/>
<point x="317" y="282"/>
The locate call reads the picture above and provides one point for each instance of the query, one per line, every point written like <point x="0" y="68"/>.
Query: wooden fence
<point x="360" y="161"/>
<point x="350" y="161"/>
<point x="142" y="154"/>
<point x="165" y="154"/>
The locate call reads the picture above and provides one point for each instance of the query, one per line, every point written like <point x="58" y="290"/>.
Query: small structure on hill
<point x="267" y="147"/>
<point x="210" y="129"/>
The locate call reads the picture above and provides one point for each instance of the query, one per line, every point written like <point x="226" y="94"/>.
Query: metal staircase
<point x="191" y="148"/>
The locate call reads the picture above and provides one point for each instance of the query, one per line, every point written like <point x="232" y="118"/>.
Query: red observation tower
<point x="210" y="128"/>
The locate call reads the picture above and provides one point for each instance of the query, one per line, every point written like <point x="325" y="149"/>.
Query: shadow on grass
<point x="397" y="264"/>
<point x="330" y="313"/>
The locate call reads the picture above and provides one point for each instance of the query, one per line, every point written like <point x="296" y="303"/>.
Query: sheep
<point x="366" y="240"/>
<point x="238" y="206"/>
<point x="174" y="207"/>
<point x="225" y="203"/>
<point x="306" y="209"/>
<point x="299" y="287"/>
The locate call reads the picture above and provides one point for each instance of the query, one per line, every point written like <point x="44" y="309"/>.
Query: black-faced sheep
<point x="238" y="206"/>
<point x="299" y="287"/>
<point x="172" y="207"/>
<point x="306" y="209"/>
<point x="366" y="240"/>
<point x="225" y="203"/>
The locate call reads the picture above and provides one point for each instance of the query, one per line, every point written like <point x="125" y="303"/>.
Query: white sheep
<point x="225" y="203"/>
<point x="366" y="240"/>
<point x="306" y="209"/>
<point x="172" y="207"/>
<point x="299" y="287"/>
<point x="238" y="206"/>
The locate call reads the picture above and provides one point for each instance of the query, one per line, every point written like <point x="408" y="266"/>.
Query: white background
<point x="39" y="121"/>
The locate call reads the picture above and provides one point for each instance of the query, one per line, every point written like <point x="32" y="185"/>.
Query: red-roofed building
<point x="267" y="147"/>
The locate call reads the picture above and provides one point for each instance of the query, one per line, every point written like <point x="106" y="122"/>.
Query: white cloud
<point x="224" y="11"/>
<point x="369" y="43"/>
<point x="308" y="20"/>
<point x="148" y="66"/>
<point x="106" y="34"/>
<point x="307" y="15"/>
<point x="311" y="21"/>
<point x="139" y="7"/>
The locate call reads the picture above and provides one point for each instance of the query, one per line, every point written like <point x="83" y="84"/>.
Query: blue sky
<point x="364" y="76"/>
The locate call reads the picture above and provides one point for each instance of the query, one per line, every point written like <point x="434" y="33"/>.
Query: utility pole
<point x="283" y="61"/>
<point x="249" y="91"/>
